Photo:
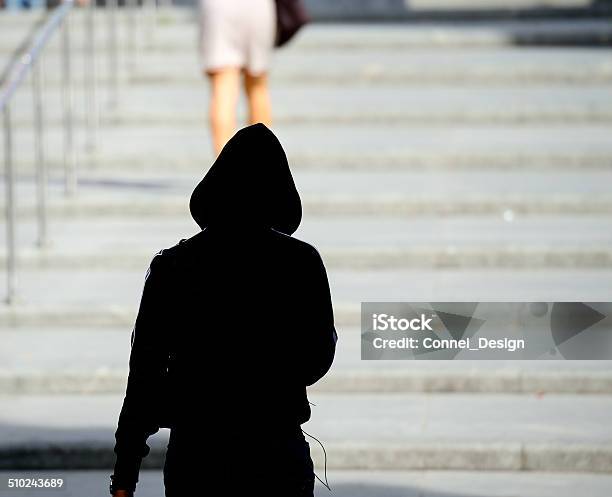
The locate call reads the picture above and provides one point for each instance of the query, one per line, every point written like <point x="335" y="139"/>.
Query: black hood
<point x="249" y="185"/>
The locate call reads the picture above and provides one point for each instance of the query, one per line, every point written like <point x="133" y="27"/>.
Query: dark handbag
<point x="291" y="15"/>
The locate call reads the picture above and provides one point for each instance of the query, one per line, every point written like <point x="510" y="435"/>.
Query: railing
<point x="32" y="62"/>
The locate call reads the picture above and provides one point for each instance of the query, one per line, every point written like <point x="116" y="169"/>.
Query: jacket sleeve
<point x="148" y="365"/>
<point x="319" y="334"/>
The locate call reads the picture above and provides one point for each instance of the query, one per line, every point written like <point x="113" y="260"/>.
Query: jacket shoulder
<point x="300" y="247"/>
<point x="168" y="256"/>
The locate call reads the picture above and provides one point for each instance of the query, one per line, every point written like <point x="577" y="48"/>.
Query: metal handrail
<point x="32" y="62"/>
<point x="26" y="64"/>
<point x="31" y="56"/>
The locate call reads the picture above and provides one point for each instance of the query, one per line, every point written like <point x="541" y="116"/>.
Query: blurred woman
<point x="236" y="42"/>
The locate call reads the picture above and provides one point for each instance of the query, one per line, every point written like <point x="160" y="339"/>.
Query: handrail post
<point x="150" y="10"/>
<point x="91" y="91"/>
<point x="41" y="166"/>
<point x="30" y="62"/>
<point x="113" y="55"/>
<point x="132" y="33"/>
<point x="69" y="152"/>
<point x="9" y="207"/>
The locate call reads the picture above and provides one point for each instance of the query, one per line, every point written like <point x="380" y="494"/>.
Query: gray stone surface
<point x="379" y="55"/>
<point x="357" y="242"/>
<point x="450" y="9"/>
<point x="121" y="288"/>
<point x="364" y="183"/>
<point x="407" y="431"/>
<point x="365" y="146"/>
<point x="418" y="65"/>
<point x="488" y="65"/>
<point x="175" y="31"/>
<point x="496" y="152"/>
<point x="59" y="298"/>
<point x="436" y="104"/>
<point x="94" y="360"/>
<point x="80" y="236"/>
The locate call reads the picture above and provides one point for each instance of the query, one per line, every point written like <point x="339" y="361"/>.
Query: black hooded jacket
<point x="234" y="323"/>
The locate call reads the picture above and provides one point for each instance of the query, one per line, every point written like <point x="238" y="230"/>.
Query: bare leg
<point x="260" y="109"/>
<point x="224" y="85"/>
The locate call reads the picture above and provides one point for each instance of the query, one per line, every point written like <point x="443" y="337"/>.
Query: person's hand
<point x="122" y="493"/>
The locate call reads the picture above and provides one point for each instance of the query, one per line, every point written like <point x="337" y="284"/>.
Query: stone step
<point x="453" y="9"/>
<point x="520" y="66"/>
<point x="171" y="35"/>
<point x="391" y="432"/>
<point x="454" y="66"/>
<point x="496" y="195"/>
<point x="330" y="36"/>
<point x="338" y="184"/>
<point x="363" y="483"/>
<point x="373" y="10"/>
<point x="110" y="297"/>
<point x="367" y="67"/>
<point x="351" y="243"/>
<point x="144" y="235"/>
<point x="185" y="105"/>
<point x="347" y="146"/>
<point x="66" y="315"/>
<point x="424" y="257"/>
<point x="94" y="361"/>
<point x="419" y="159"/>
<point x="339" y="205"/>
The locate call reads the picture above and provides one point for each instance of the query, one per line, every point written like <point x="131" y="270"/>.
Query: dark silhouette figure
<point x="234" y="324"/>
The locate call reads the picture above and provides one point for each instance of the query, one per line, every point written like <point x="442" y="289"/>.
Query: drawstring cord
<point x="324" y="483"/>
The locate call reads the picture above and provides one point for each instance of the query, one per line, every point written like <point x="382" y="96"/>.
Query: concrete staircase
<point x="435" y="163"/>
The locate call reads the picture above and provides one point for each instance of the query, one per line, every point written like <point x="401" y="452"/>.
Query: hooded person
<point x="234" y="323"/>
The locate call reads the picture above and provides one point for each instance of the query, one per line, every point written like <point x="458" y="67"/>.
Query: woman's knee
<point x="255" y="82"/>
